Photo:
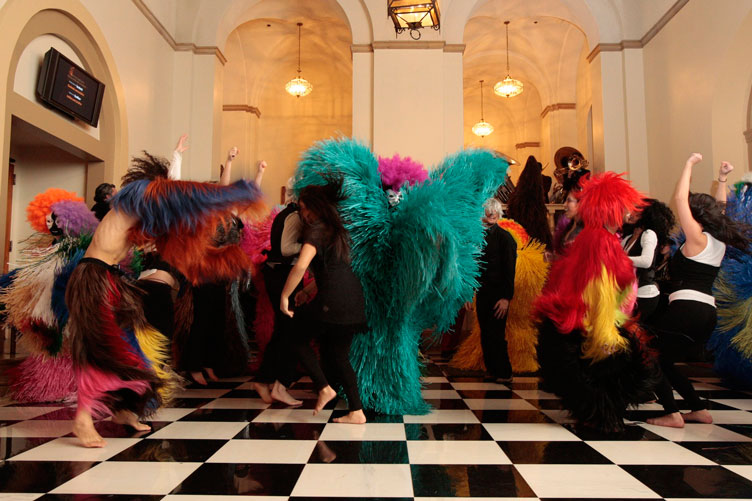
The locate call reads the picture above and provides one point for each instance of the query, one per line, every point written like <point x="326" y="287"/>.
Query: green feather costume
<point x="417" y="261"/>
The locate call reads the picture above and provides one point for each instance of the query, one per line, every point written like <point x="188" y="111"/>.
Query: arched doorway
<point x="259" y="116"/>
<point x="98" y="154"/>
<point x="545" y="54"/>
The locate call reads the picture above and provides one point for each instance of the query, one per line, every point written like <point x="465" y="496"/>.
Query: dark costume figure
<point x="102" y="196"/>
<point x="495" y="293"/>
<point x="339" y="308"/>
<point x="588" y="352"/>
<point x="527" y="204"/>
<point x="643" y="242"/>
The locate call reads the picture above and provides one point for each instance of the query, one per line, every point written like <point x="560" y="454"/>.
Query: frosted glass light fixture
<point x="482" y="128"/>
<point x="509" y="87"/>
<point x="299" y="86"/>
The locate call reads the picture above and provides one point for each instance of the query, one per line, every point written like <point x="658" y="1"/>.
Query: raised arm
<point x="224" y="177"/>
<point x="696" y="240"/>
<point x="721" y="190"/>
<point x="260" y="173"/>
<point x="174" y="172"/>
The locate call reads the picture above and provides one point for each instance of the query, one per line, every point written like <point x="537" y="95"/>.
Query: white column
<point x="619" y="117"/>
<point x="453" y="102"/>
<point x="362" y="94"/>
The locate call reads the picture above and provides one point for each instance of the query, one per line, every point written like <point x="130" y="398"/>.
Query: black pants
<point x="681" y="331"/>
<point x="646" y="306"/>
<point x="493" y="339"/>
<point x="280" y="355"/>
<point x="158" y="307"/>
<point x="205" y="344"/>
<point x="335" y="368"/>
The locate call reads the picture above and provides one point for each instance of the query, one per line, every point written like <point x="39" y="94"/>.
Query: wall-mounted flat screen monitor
<point x="69" y="88"/>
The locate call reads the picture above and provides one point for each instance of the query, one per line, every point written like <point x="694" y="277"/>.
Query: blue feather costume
<point x="417" y="261"/>
<point x="731" y="342"/>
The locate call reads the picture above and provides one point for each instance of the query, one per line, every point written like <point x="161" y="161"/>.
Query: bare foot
<point x="279" y="393"/>
<point x="199" y="378"/>
<point x="701" y="416"/>
<point x="355" y="417"/>
<point x="210" y="373"/>
<point x="130" y="419"/>
<point x="326" y="394"/>
<point x="673" y="420"/>
<point x="83" y="428"/>
<point x="263" y="390"/>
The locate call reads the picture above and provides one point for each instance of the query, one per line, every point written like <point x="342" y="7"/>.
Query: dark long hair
<point x="322" y="201"/>
<point x="146" y="167"/>
<point x="657" y="216"/>
<point x="527" y="203"/>
<point x="709" y="213"/>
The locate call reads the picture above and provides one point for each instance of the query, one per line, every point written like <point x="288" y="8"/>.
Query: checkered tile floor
<point x="484" y="440"/>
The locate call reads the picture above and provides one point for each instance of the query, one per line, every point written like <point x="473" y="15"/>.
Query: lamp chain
<point x="301" y="24"/>
<point x="481" y="102"/>
<point x="506" y="23"/>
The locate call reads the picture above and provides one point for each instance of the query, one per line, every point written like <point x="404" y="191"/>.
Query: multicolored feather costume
<point x="34" y="298"/>
<point x="589" y="354"/>
<point x="417" y="257"/>
<point x="182" y="217"/>
<point x="731" y="342"/>
<point x="531" y="270"/>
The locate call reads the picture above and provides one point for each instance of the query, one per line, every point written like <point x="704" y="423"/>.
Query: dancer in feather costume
<point x="34" y="296"/>
<point x="588" y="352"/>
<point x="530" y="274"/>
<point x="731" y="341"/>
<point x="119" y="359"/>
<point x="416" y="255"/>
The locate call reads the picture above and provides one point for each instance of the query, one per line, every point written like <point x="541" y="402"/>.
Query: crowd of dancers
<point x="166" y="277"/>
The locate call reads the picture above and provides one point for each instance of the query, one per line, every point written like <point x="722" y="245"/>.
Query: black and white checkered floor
<point x="483" y="441"/>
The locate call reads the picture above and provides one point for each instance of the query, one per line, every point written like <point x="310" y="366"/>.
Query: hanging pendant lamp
<point x="509" y="87"/>
<point x="299" y="86"/>
<point x="482" y="128"/>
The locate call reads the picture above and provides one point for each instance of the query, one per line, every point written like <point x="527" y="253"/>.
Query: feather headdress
<point x="41" y="206"/>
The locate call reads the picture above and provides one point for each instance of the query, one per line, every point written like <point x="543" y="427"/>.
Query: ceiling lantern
<point x="413" y="15"/>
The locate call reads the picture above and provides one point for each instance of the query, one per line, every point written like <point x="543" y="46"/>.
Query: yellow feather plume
<point x="602" y="298"/>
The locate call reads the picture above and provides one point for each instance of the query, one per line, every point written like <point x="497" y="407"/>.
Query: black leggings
<point x="204" y="346"/>
<point x="493" y="339"/>
<point x="681" y="331"/>
<point x="158" y="307"/>
<point x="279" y="360"/>
<point x="335" y="368"/>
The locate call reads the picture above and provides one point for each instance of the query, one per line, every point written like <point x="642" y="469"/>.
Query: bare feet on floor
<point x="130" y="419"/>
<point x="264" y="392"/>
<point x="326" y="394"/>
<point x="355" y="417"/>
<point x="673" y="420"/>
<point x="279" y="393"/>
<point x="199" y="378"/>
<point x="210" y="373"/>
<point x="83" y="428"/>
<point x="701" y="416"/>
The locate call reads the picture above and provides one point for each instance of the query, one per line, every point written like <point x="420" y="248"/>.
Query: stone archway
<point x="68" y="20"/>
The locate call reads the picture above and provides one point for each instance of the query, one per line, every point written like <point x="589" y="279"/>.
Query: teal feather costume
<point x="417" y="261"/>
